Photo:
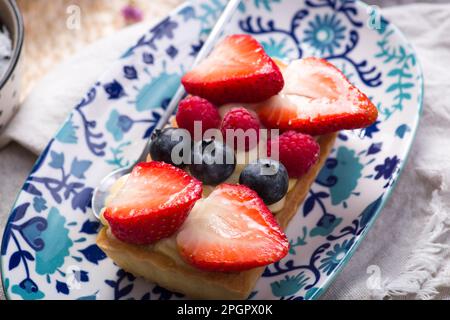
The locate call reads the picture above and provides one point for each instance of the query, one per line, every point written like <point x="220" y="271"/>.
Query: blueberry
<point x="164" y="141"/>
<point x="212" y="161"/>
<point x="269" y="178"/>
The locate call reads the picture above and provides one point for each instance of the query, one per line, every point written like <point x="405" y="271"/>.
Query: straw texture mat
<point x="50" y="35"/>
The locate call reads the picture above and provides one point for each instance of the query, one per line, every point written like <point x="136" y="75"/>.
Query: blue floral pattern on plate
<point x="48" y="248"/>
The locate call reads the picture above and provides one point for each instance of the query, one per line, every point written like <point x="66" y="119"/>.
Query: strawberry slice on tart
<point x="237" y="70"/>
<point x="231" y="230"/>
<point x="317" y="99"/>
<point x="153" y="203"/>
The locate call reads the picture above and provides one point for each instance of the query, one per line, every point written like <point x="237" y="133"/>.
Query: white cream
<point x="243" y="158"/>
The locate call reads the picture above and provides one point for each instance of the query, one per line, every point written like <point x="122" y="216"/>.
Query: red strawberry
<point x="317" y="99"/>
<point x="194" y="109"/>
<point x="237" y="70"/>
<point x="298" y="152"/>
<point x="231" y="230"/>
<point x="153" y="203"/>
<point x="241" y="118"/>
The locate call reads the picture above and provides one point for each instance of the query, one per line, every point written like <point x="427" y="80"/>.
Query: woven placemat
<point x="52" y="33"/>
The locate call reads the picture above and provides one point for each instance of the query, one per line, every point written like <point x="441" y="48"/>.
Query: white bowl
<point x="10" y="82"/>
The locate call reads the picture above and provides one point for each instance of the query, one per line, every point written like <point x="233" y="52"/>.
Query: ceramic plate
<point x="48" y="249"/>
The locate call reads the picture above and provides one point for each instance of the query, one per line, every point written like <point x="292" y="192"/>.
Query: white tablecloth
<point x="408" y="248"/>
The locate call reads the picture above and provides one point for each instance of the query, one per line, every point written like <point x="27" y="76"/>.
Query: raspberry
<point x="241" y="118"/>
<point x="197" y="109"/>
<point x="298" y="152"/>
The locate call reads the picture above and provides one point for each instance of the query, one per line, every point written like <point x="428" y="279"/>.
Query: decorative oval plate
<point x="48" y="248"/>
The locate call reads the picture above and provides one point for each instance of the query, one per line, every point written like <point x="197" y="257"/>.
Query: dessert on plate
<point x="207" y="228"/>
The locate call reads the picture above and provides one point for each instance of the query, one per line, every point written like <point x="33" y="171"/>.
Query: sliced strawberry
<point x="237" y="70"/>
<point x="298" y="152"/>
<point x="153" y="203"/>
<point x="231" y="230"/>
<point x="317" y="99"/>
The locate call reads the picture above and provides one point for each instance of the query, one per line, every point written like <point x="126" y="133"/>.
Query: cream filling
<point x="168" y="245"/>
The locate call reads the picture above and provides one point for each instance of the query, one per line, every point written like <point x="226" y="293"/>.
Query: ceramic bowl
<point x="10" y="82"/>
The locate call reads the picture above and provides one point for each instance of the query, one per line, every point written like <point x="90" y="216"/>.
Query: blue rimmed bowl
<point x="48" y="248"/>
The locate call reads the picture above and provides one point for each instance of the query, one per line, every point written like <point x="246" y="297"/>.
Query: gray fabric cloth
<point x="398" y="236"/>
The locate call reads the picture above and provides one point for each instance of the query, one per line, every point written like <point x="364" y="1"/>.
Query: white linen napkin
<point x="407" y="253"/>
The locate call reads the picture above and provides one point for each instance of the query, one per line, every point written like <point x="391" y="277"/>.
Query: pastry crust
<point x="174" y="274"/>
